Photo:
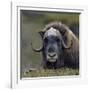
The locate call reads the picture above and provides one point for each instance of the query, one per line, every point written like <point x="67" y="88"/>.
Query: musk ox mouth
<point x="52" y="60"/>
<point x="52" y="57"/>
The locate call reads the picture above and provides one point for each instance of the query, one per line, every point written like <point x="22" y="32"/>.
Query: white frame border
<point x="15" y="62"/>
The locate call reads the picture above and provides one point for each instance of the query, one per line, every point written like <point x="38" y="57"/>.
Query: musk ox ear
<point x="41" y="33"/>
<point x="63" y="29"/>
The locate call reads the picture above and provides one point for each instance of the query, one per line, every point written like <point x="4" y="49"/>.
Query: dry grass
<point x="51" y="72"/>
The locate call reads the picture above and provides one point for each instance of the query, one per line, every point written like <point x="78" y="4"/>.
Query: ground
<point x="51" y="72"/>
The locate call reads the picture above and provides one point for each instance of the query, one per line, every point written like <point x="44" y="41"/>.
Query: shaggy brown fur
<point x="71" y="55"/>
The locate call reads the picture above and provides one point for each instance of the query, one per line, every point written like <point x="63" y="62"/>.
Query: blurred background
<point x="34" y="21"/>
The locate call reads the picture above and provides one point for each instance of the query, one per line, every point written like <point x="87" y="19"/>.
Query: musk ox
<point x="60" y="46"/>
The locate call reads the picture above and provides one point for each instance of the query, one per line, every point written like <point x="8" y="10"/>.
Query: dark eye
<point x="57" y="39"/>
<point x="46" y="40"/>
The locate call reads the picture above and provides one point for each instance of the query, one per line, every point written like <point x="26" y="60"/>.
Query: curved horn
<point x="68" y="46"/>
<point x="36" y="50"/>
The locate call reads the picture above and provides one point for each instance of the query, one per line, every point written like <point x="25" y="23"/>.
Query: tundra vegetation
<point x="33" y="22"/>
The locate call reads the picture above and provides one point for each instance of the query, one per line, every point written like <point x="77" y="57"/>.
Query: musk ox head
<point x="56" y="38"/>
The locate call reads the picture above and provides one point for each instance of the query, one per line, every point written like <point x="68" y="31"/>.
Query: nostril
<point x="52" y="54"/>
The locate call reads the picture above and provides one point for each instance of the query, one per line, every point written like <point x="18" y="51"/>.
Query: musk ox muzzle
<point x="60" y="46"/>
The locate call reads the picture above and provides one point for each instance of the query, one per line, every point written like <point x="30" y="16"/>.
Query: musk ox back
<point x="60" y="46"/>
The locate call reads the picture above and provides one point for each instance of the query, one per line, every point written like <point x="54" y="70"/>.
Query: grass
<point x="51" y="72"/>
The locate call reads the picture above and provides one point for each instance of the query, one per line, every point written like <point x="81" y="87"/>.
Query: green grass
<point x="51" y="72"/>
